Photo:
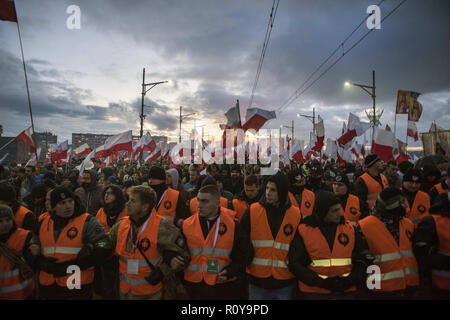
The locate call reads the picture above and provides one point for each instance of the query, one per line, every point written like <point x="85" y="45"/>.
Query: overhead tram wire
<point x="265" y="44"/>
<point x="298" y="93"/>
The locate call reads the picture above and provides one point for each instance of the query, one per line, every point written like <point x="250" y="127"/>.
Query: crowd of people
<point x="316" y="230"/>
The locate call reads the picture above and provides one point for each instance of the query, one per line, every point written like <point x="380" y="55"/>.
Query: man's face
<point x="48" y="204"/>
<point x="300" y="182"/>
<point x="339" y="188"/>
<point x="208" y="205"/>
<point x="235" y="174"/>
<point x="168" y="179"/>
<point x="272" y="193"/>
<point x="28" y="172"/>
<point x="193" y="175"/>
<point x="135" y="207"/>
<point x="219" y="185"/>
<point x="391" y="170"/>
<point x="251" y="191"/>
<point x="6" y="224"/>
<point x="411" y="186"/>
<point x="334" y="214"/>
<point x="65" y="208"/>
<point x="380" y="165"/>
<point x="86" y="178"/>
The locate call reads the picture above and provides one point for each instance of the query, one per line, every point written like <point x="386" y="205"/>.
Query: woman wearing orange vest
<point x="389" y="237"/>
<point x="327" y="254"/>
<point x="69" y="238"/>
<point x="107" y="275"/>
<point x="14" y="284"/>
<point x="149" y="248"/>
<point x="271" y="225"/>
<point x="169" y="202"/>
<point x="23" y="217"/>
<point x="432" y="248"/>
<point x="298" y="193"/>
<point x="417" y="202"/>
<point x="219" y="250"/>
<point x="350" y="208"/>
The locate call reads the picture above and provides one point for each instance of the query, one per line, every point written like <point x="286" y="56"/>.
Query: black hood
<point x="282" y="182"/>
<point x="324" y="200"/>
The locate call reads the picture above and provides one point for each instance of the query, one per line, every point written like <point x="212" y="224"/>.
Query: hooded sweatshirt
<point x="91" y="197"/>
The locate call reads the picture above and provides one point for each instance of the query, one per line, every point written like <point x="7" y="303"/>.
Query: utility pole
<point x="144" y="91"/>
<point x="181" y="120"/>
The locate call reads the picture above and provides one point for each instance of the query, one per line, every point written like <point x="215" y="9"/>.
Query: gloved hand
<point x="46" y="263"/>
<point x="340" y="284"/>
<point x="325" y="283"/>
<point x="85" y="257"/>
<point x="155" y="277"/>
<point x="58" y="269"/>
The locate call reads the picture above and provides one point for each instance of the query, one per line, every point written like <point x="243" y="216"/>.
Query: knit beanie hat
<point x="59" y="194"/>
<point x="157" y="173"/>
<point x="412" y="175"/>
<point x="6" y="212"/>
<point x="324" y="200"/>
<point x="370" y="160"/>
<point x="391" y="201"/>
<point x="209" y="181"/>
<point x="340" y="177"/>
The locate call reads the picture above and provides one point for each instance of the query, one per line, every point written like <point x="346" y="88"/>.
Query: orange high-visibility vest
<point x="20" y="214"/>
<point x="43" y="216"/>
<point x="202" y="249"/>
<point x="308" y="198"/>
<point x="440" y="189"/>
<point x="420" y="207"/>
<point x="271" y="255"/>
<point x="326" y="263"/>
<point x="374" y="188"/>
<point x="239" y="206"/>
<point x="65" y="248"/>
<point x="193" y="204"/>
<point x="102" y="217"/>
<point x="352" y="210"/>
<point x="441" y="278"/>
<point x="148" y="241"/>
<point x="397" y="262"/>
<point x="168" y="206"/>
<point x="12" y="285"/>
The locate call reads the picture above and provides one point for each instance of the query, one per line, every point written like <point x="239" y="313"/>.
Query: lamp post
<point x="292" y="130"/>
<point x="181" y="120"/>
<point x="310" y="118"/>
<point x="373" y="120"/>
<point x="144" y="91"/>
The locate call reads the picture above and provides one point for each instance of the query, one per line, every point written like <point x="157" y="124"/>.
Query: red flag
<point x="25" y="136"/>
<point x="412" y="130"/>
<point x="234" y="117"/>
<point x="383" y="144"/>
<point x="8" y="10"/>
<point x="82" y="150"/>
<point x="122" y="141"/>
<point x="297" y="153"/>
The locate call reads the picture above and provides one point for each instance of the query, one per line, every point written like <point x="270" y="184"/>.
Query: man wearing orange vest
<point x="70" y="241"/>
<point x="23" y="217"/>
<point x="431" y="245"/>
<point x="247" y="197"/>
<point x="417" y="202"/>
<point x="350" y="207"/>
<point x="149" y="247"/>
<point x="389" y="236"/>
<point x="327" y="255"/>
<point x="369" y="185"/>
<point x="441" y="187"/>
<point x="16" y="279"/>
<point x="219" y="250"/>
<point x="271" y="224"/>
<point x="169" y="202"/>
<point x="299" y="194"/>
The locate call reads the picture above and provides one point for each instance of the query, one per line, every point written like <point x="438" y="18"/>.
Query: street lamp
<point x="310" y="118"/>
<point x="181" y="120"/>
<point x="144" y="91"/>
<point x="373" y="119"/>
<point x="289" y="127"/>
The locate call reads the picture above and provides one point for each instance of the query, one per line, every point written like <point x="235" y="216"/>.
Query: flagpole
<point x="395" y="124"/>
<point x="28" y="96"/>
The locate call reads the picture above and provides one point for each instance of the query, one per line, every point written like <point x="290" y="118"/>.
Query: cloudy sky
<point x="89" y="80"/>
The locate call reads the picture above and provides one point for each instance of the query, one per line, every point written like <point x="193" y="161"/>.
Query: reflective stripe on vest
<point x="17" y="287"/>
<point x="63" y="250"/>
<point x="141" y="263"/>
<point x="331" y="262"/>
<point x="271" y="255"/>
